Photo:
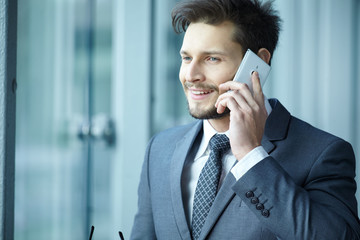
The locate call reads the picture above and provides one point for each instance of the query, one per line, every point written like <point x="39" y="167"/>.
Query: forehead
<point x="206" y="37"/>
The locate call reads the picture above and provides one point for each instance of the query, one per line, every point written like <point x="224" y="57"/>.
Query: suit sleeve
<point x="143" y="227"/>
<point x="323" y="207"/>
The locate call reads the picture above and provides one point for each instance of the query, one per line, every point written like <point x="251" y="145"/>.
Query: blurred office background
<point x="96" y="78"/>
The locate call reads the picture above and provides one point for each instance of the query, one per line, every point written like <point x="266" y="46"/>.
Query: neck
<point x="220" y="124"/>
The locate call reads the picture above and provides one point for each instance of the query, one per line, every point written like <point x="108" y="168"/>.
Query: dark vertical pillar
<point x="8" y="28"/>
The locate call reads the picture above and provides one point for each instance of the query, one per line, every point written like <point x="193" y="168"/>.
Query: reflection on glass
<point x="169" y="103"/>
<point x="53" y="74"/>
<point x="61" y="78"/>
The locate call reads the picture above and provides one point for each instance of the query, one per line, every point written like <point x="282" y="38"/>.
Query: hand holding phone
<point x="250" y="63"/>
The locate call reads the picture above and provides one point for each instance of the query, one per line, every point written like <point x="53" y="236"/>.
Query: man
<point x="276" y="178"/>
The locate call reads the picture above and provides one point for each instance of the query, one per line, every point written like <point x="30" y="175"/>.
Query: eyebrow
<point x="206" y="53"/>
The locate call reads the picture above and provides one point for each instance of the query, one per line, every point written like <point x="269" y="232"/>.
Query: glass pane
<point x="52" y="103"/>
<point x="169" y="107"/>
<point x="102" y="150"/>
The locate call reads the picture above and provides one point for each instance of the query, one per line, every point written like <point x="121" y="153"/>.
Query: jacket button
<point x="265" y="213"/>
<point x="254" y="200"/>
<point x="259" y="206"/>
<point x="249" y="194"/>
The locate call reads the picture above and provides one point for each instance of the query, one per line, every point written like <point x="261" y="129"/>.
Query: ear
<point x="264" y="54"/>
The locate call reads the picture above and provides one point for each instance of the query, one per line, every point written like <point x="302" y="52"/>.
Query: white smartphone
<point x="250" y="63"/>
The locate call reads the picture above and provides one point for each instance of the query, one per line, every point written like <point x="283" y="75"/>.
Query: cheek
<point x="222" y="76"/>
<point x="182" y="75"/>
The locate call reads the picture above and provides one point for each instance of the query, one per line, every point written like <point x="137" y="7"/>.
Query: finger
<point x="255" y="79"/>
<point x="258" y="93"/>
<point x="229" y="103"/>
<point x="242" y="97"/>
<point x="237" y="99"/>
<point x="221" y="106"/>
<point x="223" y="96"/>
<point x="243" y="89"/>
<point x="221" y="103"/>
<point x="237" y="87"/>
<point x="232" y="85"/>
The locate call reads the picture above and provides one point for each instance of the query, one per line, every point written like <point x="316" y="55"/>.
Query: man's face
<point x="209" y="57"/>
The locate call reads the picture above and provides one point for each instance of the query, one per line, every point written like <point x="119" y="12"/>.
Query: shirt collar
<point x="209" y="132"/>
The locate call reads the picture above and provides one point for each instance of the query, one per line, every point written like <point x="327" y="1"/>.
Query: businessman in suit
<point x="246" y="169"/>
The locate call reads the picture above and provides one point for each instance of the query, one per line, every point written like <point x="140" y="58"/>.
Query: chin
<point x="208" y="114"/>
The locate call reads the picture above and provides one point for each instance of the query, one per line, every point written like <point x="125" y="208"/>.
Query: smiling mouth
<point x="201" y="92"/>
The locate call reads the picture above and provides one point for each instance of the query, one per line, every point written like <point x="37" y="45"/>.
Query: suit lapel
<point x="267" y="145"/>
<point x="177" y="163"/>
<point x="276" y="126"/>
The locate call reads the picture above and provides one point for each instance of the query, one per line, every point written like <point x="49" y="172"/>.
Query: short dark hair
<point x="257" y="24"/>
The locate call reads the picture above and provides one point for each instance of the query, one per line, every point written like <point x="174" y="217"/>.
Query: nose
<point x="194" y="72"/>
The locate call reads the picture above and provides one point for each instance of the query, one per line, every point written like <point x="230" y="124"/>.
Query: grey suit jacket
<point x="305" y="189"/>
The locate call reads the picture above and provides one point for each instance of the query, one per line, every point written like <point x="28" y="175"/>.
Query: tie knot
<point x="219" y="143"/>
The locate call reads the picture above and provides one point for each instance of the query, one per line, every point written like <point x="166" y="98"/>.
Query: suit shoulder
<point x="175" y="133"/>
<point x="306" y="130"/>
<point x="282" y="125"/>
<point x="308" y="138"/>
<point x="165" y="142"/>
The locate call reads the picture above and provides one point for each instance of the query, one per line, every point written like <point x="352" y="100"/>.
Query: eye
<point x="186" y="59"/>
<point x="213" y="59"/>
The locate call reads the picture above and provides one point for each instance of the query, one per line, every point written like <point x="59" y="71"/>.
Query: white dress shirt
<point x="193" y="167"/>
